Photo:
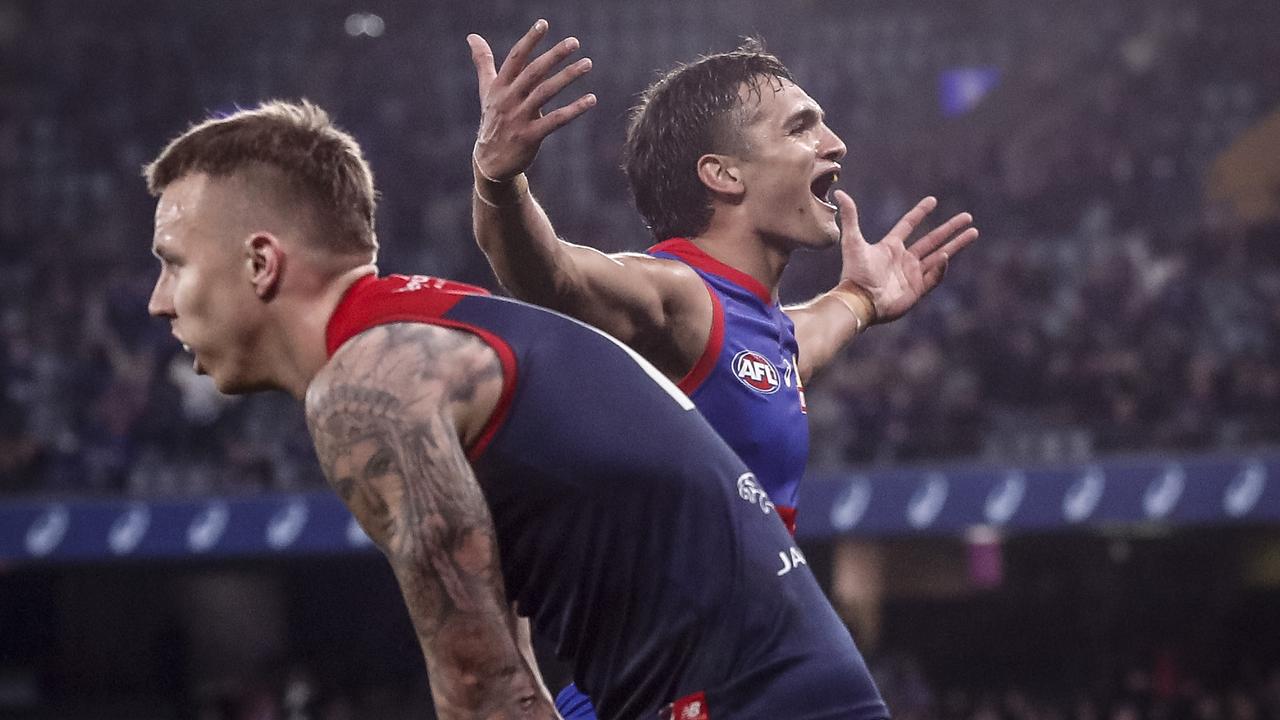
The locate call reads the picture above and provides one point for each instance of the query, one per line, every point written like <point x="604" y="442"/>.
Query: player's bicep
<point x="393" y="467"/>
<point x="659" y="306"/>
<point x="382" y="419"/>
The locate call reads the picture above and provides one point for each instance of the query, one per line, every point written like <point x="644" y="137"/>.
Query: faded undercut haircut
<point x="316" y="163"/>
<point x="691" y="111"/>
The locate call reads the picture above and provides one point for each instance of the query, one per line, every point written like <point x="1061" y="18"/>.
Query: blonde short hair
<point x="315" y="163"/>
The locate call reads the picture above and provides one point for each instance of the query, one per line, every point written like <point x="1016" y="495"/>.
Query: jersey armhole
<point x="500" y="411"/>
<point x="505" y="355"/>
<point x="715" y="342"/>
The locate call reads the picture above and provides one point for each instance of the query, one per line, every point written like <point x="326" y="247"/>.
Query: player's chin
<point x="232" y="384"/>
<point x="828" y="231"/>
<point x="826" y="234"/>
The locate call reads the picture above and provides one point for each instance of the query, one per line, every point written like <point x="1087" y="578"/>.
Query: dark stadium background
<point x="1120" y="316"/>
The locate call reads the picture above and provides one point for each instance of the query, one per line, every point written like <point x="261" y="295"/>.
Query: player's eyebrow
<point x="806" y="116"/>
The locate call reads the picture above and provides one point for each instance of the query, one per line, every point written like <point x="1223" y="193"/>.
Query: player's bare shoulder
<point x="685" y="313"/>
<point x="676" y="282"/>
<point x="414" y="370"/>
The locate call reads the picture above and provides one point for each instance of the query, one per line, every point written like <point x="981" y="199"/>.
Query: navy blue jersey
<point x="629" y="532"/>
<point x="747" y="384"/>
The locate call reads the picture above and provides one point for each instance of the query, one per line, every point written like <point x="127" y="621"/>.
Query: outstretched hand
<point x="893" y="275"/>
<point x="512" y="126"/>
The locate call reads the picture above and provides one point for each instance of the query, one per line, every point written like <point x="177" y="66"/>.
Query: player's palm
<point x="890" y="275"/>
<point x="512" y="125"/>
<point x="895" y="276"/>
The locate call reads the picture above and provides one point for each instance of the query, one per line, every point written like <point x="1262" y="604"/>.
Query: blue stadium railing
<point x="1169" y="490"/>
<point x="1218" y="489"/>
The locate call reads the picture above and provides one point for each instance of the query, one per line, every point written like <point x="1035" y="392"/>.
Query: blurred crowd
<point x="1139" y="694"/>
<point x="1160" y="692"/>
<point x="1109" y="307"/>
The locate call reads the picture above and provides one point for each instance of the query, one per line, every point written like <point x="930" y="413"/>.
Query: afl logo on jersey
<point x="756" y="372"/>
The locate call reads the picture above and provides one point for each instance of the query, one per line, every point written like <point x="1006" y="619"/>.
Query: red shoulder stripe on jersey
<point x="711" y="353"/>
<point x="697" y="257"/>
<point x="503" y="408"/>
<point x="408" y="298"/>
<point x="788" y="515"/>
<point x="505" y="354"/>
<point x="344" y="321"/>
<point x="419" y="299"/>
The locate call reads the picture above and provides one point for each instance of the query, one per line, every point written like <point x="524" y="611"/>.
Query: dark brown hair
<point x="693" y="110"/>
<point x="320" y="164"/>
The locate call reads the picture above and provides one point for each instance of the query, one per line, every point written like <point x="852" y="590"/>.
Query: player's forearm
<point x="517" y="237"/>
<point x="474" y="661"/>
<point x="500" y="701"/>
<point x="524" y="641"/>
<point x="827" y="323"/>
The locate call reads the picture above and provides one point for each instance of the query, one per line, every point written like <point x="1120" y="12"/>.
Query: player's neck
<point x="302" y="351"/>
<point x="744" y="249"/>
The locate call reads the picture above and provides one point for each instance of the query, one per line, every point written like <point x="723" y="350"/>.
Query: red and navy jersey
<point x="746" y="384"/>
<point x="629" y="533"/>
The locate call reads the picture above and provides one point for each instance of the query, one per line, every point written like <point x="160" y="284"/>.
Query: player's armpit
<point x="658" y="307"/>
<point x="384" y="414"/>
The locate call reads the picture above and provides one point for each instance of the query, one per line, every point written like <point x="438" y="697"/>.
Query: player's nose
<point x="160" y="304"/>
<point x="832" y="147"/>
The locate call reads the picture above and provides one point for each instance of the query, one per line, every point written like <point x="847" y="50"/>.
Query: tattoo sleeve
<point x="382" y="415"/>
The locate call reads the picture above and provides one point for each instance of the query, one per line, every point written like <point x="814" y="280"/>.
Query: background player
<point x="731" y="164"/>
<point x="495" y="452"/>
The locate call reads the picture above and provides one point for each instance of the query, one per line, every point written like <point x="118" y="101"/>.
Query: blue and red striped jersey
<point x="747" y="384"/>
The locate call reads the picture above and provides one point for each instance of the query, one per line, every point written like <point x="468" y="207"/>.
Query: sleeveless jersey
<point x="629" y="533"/>
<point x="746" y="383"/>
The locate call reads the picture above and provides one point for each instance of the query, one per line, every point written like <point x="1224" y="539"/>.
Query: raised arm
<point x="657" y="306"/>
<point x="878" y="283"/>
<point x="389" y="415"/>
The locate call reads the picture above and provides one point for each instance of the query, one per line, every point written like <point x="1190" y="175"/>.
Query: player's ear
<point x="721" y="174"/>
<point x="264" y="260"/>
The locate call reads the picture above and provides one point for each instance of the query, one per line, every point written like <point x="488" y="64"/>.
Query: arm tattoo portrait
<point x="382" y="415"/>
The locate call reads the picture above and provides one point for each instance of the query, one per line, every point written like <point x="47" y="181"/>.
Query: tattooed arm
<point x="389" y="414"/>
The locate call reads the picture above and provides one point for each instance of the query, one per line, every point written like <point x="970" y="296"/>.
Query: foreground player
<point x="495" y="452"/>
<point x="730" y="163"/>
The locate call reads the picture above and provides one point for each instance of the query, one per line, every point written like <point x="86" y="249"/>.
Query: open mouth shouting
<point x="195" y="362"/>
<point x="822" y="185"/>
